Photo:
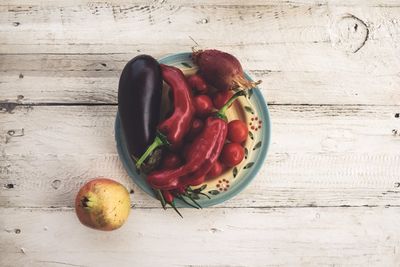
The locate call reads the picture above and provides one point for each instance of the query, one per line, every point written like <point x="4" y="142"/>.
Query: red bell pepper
<point x="202" y="154"/>
<point x="172" y="130"/>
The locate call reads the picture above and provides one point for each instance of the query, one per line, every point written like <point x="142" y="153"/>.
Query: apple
<point x="103" y="204"/>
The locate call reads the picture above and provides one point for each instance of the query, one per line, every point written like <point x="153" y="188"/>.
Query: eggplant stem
<point x="184" y="200"/>
<point x="174" y="207"/>
<point x="160" y="140"/>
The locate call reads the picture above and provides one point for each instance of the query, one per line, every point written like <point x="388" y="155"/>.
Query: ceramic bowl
<point x="252" y="110"/>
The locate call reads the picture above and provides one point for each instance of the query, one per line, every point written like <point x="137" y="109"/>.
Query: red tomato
<point x="221" y="98"/>
<point x="197" y="82"/>
<point x="203" y="105"/>
<point x="171" y="161"/>
<point x="232" y="154"/>
<point x="216" y="170"/>
<point x="237" y="131"/>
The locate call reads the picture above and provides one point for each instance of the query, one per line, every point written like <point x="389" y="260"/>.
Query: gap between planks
<point x="311" y="206"/>
<point x="61" y="104"/>
<point x="349" y="3"/>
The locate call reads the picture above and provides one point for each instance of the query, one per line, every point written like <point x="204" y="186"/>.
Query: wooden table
<point x="328" y="194"/>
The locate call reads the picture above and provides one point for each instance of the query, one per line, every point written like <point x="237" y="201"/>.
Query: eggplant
<point x="139" y="102"/>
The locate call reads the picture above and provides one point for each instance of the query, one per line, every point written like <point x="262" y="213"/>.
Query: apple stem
<point x="86" y="203"/>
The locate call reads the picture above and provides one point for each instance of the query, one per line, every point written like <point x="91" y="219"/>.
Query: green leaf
<point x="186" y="65"/>
<point x="249" y="109"/>
<point x="250" y="93"/>
<point x="257" y="146"/>
<point x="246" y="152"/>
<point x="213" y="192"/>
<point x="251" y="135"/>
<point x="204" y="194"/>
<point x="198" y="190"/>
<point x="248" y="165"/>
<point x="234" y="172"/>
<point x="194" y="196"/>
<point x="203" y="187"/>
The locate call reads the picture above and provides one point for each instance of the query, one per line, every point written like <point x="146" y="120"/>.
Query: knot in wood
<point x="349" y="33"/>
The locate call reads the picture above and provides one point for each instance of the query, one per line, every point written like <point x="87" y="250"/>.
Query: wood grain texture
<point x="94" y="79"/>
<point x="240" y="237"/>
<point x="306" y="53"/>
<point x="111" y="28"/>
<point x="349" y="3"/>
<point x="319" y="156"/>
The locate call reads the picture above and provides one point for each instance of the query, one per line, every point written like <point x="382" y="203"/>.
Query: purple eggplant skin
<point x="139" y="102"/>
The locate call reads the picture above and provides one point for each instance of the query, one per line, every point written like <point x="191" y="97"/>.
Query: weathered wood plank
<point x="111" y="28"/>
<point x="103" y="23"/>
<point x="216" y="237"/>
<point x="94" y="79"/>
<point x="319" y="156"/>
<point x="315" y="54"/>
<point x="370" y="3"/>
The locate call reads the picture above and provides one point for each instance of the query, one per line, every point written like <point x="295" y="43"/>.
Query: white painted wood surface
<point x="223" y="237"/>
<point x="350" y="159"/>
<point x="328" y="194"/>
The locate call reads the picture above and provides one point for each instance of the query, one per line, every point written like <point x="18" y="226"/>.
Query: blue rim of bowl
<point x="238" y="186"/>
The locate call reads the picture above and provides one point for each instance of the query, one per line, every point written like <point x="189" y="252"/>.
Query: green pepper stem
<point x="184" y="200"/>
<point x="161" y="198"/>
<point x="222" y="111"/>
<point x="194" y="201"/>
<point x="160" y="140"/>
<point x="174" y="207"/>
<point x="207" y="196"/>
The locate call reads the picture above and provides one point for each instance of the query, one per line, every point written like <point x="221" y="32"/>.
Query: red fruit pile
<point x="197" y="140"/>
<point x="207" y="100"/>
